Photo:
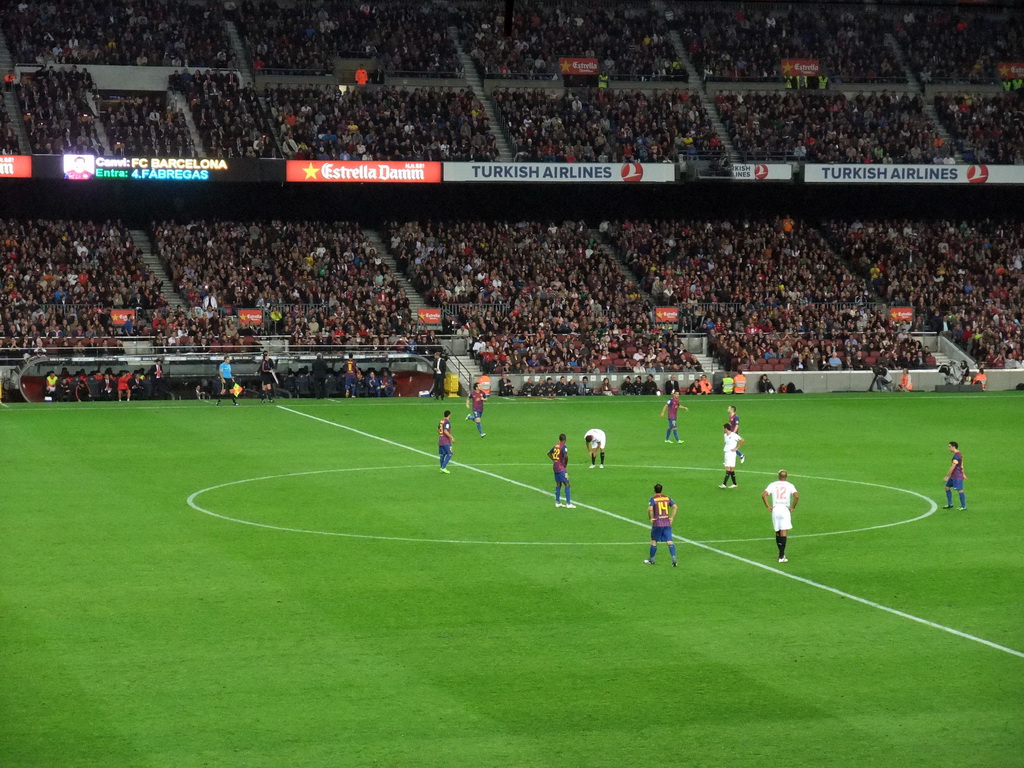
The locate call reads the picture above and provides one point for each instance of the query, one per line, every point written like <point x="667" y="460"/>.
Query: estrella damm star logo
<point x="566" y="66"/>
<point x="1006" y="70"/>
<point x="787" y="68"/>
<point x="311" y="172"/>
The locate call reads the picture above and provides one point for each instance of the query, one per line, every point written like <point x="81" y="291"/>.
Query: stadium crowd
<point x="228" y="116"/>
<point x="307" y="35"/>
<point x="986" y="129"/>
<point x="8" y="136"/>
<point x="828" y="127"/>
<point x="958" y="44"/>
<point x="964" y="277"/>
<point x="138" y="33"/>
<point x="381" y="124"/>
<point x="62" y="278"/>
<point x="606" y="126"/>
<point x="318" y="283"/>
<point x="55" y="107"/>
<point x="630" y="42"/>
<point x="738" y="44"/>
<point x="144" y="125"/>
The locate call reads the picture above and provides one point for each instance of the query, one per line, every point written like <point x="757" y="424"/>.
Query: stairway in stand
<point x="143" y="242"/>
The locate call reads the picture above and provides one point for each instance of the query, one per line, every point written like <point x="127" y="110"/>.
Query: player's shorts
<point x="266" y="378"/>
<point x="562" y="477"/>
<point x="730" y="459"/>
<point x="478" y="414"/>
<point x="228" y="385"/>
<point x="672" y="423"/>
<point x="596" y="445"/>
<point x="782" y="518"/>
<point x="956" y="485"/>
<point x="444" y="450"/>
<point x="661" y="533"/>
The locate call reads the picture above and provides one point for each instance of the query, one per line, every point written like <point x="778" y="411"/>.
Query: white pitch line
<point x="802" y="580"/>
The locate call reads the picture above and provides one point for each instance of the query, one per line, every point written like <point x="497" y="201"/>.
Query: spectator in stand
<point x="381" y="124"/>
<point x="828" y="127"/>
<point x="144" y="125"/>
<point x="598" y="125"/>
<point x="140" y="33"/>
<point x="55" y="108"/>
<point x="986" y="129"/>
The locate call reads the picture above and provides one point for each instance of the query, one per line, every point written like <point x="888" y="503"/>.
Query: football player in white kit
<point x="733" y="441"/>
<point x="784" y="498"/>
<point x="596" y="441"/>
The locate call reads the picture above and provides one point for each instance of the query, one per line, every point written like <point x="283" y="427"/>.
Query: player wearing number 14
<point x="661" y="509"/>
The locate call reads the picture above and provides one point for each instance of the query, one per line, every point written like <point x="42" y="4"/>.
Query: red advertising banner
<point x="901" y="314"/>
<point x="574" y="65"/>
<point x="430" y="316"/>
<point x="373" y="171"/>
<point x="666" y="314"/>
<point x="800" y="67"/>
<point x="122" y="316"/>
<point x="1010" y="70"/>
<point x="250" y="317"/>
<point x="15" y="166"/>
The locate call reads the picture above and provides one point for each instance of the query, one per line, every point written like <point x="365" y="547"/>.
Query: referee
<point x="227" y="384"/>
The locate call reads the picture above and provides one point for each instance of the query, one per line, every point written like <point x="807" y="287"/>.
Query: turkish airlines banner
<point x="800" y="67"/>
<point x="666" y="314"/>
<point x="1010" y="70"/>
<point x="15" y="166"/>
<point x="250" y="317"/>
<point x="762" y="171"/>
<point x="901" y="314"/>
<point x="573" y="65"/>
<point x="577" y="173"/>
<point x="371" y="171"/>
<point x="429" y="316"/>
<point x="913" y="174"/>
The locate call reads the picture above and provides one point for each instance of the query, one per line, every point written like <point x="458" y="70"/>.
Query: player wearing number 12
<point x="661" y="509"/>
<point x="672" y="410"/>
<point x="784" y="498"/>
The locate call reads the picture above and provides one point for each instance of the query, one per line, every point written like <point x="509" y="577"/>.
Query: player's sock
<point x="602" y="458"/>
<point x="668" y="434"/>
<point x="963" y="500"/>
<point x="733" y="478"/>
<point x="782" y="546"/>
<point x="740" y="454"/>
<point x="725" y="481"/>
<point x="654" y="551"/>
<point x="779" y="543"/>
<point x="568" y="496"/>
<point x="593" y="460"/>
<point x="672" y="551"/>
<point x="480" y="427"/>
<point x="949" y="497"/>
<point x="558" y="494"/>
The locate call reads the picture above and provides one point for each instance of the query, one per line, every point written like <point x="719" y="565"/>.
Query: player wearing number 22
<point x="661" y="509"/>
<point x="444" y="441"/>
<point x="559" y="455"/>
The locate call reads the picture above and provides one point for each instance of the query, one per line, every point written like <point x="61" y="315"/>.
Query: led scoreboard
<point x="88" y="168"/>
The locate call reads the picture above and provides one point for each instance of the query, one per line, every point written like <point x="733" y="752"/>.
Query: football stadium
<point x="511" y="384"/>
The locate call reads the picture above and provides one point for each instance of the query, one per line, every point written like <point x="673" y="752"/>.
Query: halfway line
<point x="801" y="579"/>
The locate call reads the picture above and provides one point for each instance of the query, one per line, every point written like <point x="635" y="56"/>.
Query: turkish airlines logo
<point x="977" y="174"/>
<point x="761" y="171"/>
<point x="632" y="172"/>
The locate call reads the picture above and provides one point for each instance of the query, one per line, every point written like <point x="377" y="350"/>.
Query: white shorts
<point x="730" y="458"/>
<point x="597" y="444"/>
<point x="782" y="518"/>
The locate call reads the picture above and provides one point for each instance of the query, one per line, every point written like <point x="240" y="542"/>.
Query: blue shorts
<point x="661" y="533"/>
<point x="444" y="450"/>
<point x="671" y="423"/>
<point x="562" y="477"/>
<point x="956" y="485"/>
<point x="478" y="414"/>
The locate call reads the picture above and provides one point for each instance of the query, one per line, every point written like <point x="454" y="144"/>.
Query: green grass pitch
<point x="182" y="585"/>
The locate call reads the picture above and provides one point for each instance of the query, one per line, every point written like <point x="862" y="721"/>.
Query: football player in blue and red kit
<point x="559" y="455"/>
<point x="445" y="440"/>
<point x="734" y="425"/>
<point x="661" y="510"/>
<point x="475" y="403"/>
<point x="672" y="410"/>
<point x="955" y="479"/>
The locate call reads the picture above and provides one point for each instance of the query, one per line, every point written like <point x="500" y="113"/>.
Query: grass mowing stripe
<point x="808" y="582"/>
